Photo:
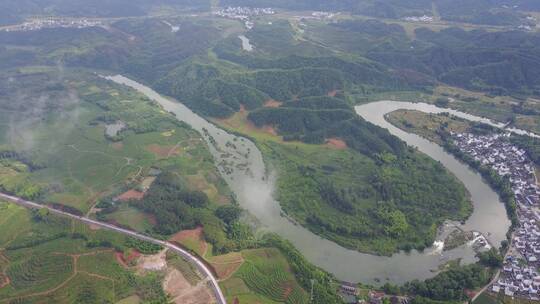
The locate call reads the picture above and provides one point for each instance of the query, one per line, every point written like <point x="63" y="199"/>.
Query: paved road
<point x="195" y="260"/>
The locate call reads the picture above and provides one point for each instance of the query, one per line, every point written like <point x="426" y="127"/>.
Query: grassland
<point x="265" y="277"/>
<point x="132" y="217"/>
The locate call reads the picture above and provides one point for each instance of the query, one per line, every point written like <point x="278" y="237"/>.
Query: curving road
<point x="195" y="260"/>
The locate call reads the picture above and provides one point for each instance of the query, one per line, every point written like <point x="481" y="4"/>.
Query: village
<point x="519" y="276"/>
<point x="53" y="22"/>
<point x="244" y="14"/>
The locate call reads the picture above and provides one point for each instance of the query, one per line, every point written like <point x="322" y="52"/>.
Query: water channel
<point x="241" y="164"/>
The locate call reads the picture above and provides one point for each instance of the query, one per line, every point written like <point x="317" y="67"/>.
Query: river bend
<point x="241" y="164"/>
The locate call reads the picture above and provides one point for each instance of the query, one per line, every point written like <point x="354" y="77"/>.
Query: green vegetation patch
<point x="265" y="273"/>
<point x="386" y="205"/>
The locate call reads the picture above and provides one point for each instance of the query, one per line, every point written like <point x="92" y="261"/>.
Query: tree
<point x="491" y="258"/>
<point x="228" y="213"/>
<point x="442" y="102"/>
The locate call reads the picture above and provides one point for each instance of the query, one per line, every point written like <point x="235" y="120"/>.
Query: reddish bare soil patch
<point x="190" y="238"/>
<point x="4" y="280"/>
<point x="130" y="195"/>
<point x="287" y="291"/>
<point x="470" y="293"/>
<point x="94" y="227"/>
<point x="152" y="219"/>
<point x="163" y="151"/>
<point x="333" y="93"/>
<point x="223" y="200"/>
<point x="336" y="143"/>
<point x="269" y="130"/>
<point x="226" y="265"/>
<point x="118" y="145"/>
<point x="122" y="260"/>
<point x="225" y="271"/>
<point x="241" y="123"/>
<point x="272" y="104"/>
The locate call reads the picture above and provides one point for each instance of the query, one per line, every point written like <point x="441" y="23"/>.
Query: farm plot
<point x="264" y="277"/>
<point x="55" y="260"/>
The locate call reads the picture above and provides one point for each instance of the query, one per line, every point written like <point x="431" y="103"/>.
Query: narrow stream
<point x="241" y="164"/>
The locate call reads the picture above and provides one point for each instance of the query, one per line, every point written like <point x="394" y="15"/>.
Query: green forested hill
<point x="301" y="85"/>
<point x="315" y="86"/>
<point x="340" y="176"/>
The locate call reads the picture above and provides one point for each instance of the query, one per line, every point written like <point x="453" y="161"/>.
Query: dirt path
<point x="481" y="291"/>
<point x="173" y="149"/>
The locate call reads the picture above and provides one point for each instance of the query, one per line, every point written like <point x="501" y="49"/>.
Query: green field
<point x="54" y="260"/>
<point x="490" y="298"/>
<point x="132" y="217"/>
<point x="427" y="125"/>
<point x="68" y="158"/>
<point x="265" y="276"/>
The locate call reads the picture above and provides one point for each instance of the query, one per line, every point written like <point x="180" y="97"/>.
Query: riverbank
<point x="509" y="169"/>
<point x="242" y="165"/>
<point x="303" y="170"/>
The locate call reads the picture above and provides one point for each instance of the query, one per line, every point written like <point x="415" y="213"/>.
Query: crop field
<point x="227" y="264"/>
<point x="522" y="112"/>
<point x="78" y="161"/>
<point x="426" y="125"/>
<point x="265" y="276"/>
<point x="54" y="260"/>
<point x="13" y="221"/>
<point x="128" y="216"/>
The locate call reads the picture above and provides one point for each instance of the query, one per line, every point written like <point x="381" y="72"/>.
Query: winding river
<point x="241" y="164"/>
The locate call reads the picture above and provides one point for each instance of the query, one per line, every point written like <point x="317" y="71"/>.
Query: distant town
<point x="519" y="276"/>
<point x="424" y="18"/>
<point x="53" y="22"/>
<point x="244" y="14"/>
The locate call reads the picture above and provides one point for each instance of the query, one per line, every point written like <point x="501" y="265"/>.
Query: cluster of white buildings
<point x="424" y="18"/>
<point x="323" y="15"/>
<point x="520" y="274"/>
<point x="525" y="27"/>
<point x="53" y="22"/>
<point x="244" y="14"/>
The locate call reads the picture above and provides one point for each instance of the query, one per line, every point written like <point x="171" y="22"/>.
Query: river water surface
<point x="241" y="164"/>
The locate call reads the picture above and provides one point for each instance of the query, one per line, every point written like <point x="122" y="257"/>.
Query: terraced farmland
<point x="264" y="275"/>
<point x="54" y="260"/>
